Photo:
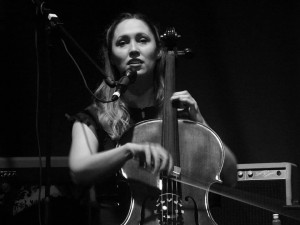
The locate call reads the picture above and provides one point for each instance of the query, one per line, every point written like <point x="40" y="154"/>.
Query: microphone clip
<point x="121" y="86"/>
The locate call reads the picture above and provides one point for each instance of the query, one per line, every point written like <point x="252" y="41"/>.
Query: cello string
<point x="172" y="195"/>
<point x="177" y="194"/>
<point x="168" y="194"/>
<point x="162" y="199"/>
<point x="166" y="200"/>
<point x="177" y="201"/>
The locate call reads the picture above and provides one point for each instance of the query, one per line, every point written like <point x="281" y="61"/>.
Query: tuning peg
<point x="186" y="52"/>
<point x="170" y="33"/>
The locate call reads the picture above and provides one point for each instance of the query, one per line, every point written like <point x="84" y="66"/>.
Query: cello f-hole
<point x="195" y="208"/>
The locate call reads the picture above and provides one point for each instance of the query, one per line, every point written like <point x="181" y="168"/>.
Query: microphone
<point x="123" y="83"/>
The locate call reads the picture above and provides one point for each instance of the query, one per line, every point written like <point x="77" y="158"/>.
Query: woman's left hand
<point x="186" y="101"/>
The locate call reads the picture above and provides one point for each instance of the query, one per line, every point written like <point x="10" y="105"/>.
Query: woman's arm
<point x="88" y="165"/>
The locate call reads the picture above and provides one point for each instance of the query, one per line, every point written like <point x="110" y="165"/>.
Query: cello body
<point x="201" y="157"/>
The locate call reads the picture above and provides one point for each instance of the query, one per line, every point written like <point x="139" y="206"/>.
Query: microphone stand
<point x="46" y="29"/>
<point x="50" y="21"/>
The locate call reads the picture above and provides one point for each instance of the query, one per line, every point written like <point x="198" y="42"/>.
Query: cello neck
<point x="170" y="126"/>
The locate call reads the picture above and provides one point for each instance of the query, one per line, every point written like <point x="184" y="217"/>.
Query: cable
<point x="55" y="22"/>
<point x="37" y="123"/>
<point x="82" y="76"/>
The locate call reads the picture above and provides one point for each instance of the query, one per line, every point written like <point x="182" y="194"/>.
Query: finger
<point x="187" y="99"/>
<point x="184" y="103"/>
<point x="164" y="161"/>
<point x="179" y="93"/>
<point x="183" y="98"/>
<point x="156" y="159"/>
<point x="147" y="152"/>
<point x="171" y="165"/>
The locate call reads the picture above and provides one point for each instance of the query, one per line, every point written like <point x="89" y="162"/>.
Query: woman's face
<point x="134" y="46"/>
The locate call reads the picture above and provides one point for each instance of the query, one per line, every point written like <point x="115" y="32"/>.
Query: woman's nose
<point x="134" y="51"/>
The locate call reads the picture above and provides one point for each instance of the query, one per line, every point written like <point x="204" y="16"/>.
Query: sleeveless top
<point x="110" y="196"/>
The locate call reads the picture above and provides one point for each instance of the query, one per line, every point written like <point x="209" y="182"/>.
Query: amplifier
<point x="26" y="170"/>
<point x="273" y="180"/>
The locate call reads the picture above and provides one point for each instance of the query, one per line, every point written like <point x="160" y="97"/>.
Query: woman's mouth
<point x="134" y="62"/>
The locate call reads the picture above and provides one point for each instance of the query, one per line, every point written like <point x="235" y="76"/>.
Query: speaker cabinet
<point x="273" y="180"/>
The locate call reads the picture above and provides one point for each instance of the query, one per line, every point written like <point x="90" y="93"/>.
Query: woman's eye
<point x="121" y="43"/>
<point x="143" y="40"/>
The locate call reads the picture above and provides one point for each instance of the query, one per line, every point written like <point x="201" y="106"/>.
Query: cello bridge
<point x="176" y="172"/>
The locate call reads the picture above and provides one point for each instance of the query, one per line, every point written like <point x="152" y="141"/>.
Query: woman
<point x="132" y="42"/>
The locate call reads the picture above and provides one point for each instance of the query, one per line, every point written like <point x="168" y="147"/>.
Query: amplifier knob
<point x="250" y="173"/>
<point x="278" y="173"/>
<point x="240" y="174"/>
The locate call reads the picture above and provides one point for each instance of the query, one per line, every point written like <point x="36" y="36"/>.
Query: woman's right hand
<point x="152" y="156"/>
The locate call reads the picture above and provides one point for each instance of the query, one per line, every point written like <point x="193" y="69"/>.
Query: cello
<point x="197" y="152"/>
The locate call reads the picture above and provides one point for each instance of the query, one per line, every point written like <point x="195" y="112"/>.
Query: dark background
<point x="244" y="74"/>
